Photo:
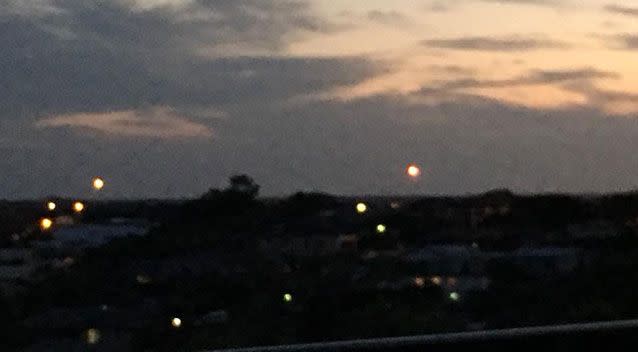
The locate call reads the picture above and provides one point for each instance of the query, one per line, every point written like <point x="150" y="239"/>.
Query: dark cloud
<point x="445" y="6"/>
<point x="509" y="44"/>
<point x="622" y="10"/>
<point x="452" y="69"/>
<point x="393" y="18"/>
<point x="537" y="77"/>
<point x="529" y="2"/>
<point x="84" y="57"/>
<point x="622" y="41"/>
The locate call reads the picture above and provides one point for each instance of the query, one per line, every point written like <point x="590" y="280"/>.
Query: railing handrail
<point x="405" y="341"/>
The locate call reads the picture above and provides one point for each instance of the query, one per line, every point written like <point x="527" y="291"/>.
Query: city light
<point x="176" y="322"/>
<point x="287" y="298"/>
<point x="436" y="280"/>
<point x="419" y="281"/>
<point x="78" y="207"/>
<point x="98" y="183"/>
<point x="51" y="206"/>
<point x="92" y="336"/>
<point x="413" y="171"/>
<point x="381" y="229"/>
<point x="45" y="224"/>
<point x="455" y="296"/>
<point x="361" y="208"/>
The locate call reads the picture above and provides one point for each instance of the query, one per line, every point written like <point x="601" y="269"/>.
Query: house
<point x="446" y="259"/>
<point x="454" y="268"/>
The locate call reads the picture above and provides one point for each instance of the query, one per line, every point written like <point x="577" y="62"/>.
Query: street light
<point x="287" y="298"/>
<point x="98" y="183"/>
<point x="381" y="229"/>
<point x="45" y="224"/>
<point x="413" y="170"/>
<point x="361" y="208"/>
<point x="51" y="206"/>
<point x="176" y="322"/>
<point x="78" y="207"/>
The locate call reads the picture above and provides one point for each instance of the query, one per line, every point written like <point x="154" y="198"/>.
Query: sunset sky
<point x="166" y="98"/>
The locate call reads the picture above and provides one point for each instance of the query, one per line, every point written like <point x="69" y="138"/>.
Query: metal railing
<point x="588" y="336"/>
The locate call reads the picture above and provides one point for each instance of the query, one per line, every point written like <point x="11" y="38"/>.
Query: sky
<point x="168" y="98"/>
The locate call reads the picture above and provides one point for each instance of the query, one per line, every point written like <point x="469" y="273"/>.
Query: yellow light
<point x="413" y="170"/>
<point x="45" y="224"/>
<point x="361" y="208"/>
<point x="92" y="336"/>
<point x="98" y="183"/>
<point x="51" y="206"/>
<point x="287" y="298"/>
<point x="455" y="296"/>
<point x="381" y="228"/>
<point x="78" y="207"/>
<point x="176" y="322"/>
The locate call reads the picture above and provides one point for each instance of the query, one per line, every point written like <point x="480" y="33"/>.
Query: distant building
<point x="311" y="245"/>
<point x="92" y="235"/>
<point x="594" y="230"/>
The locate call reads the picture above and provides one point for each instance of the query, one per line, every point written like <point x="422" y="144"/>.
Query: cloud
<point x="622" y="10"/>
<point x="110" y="57"/>
<point x="452" y="69"/>
<point x="537" y="77"/>
<point x="526" y="2"/>
<point x="445" y="6"/>
<point x="392" y="18"/>
<point x="158" y="122"/>
<point x="507" y="44"/>
<point x="622" y="41"/>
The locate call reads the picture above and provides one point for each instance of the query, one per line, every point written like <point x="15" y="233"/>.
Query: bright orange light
<point x="51" y="206"/>
<point x="45" y="224"/>
<point x="78" y="207"/>
<point x="413" y="170"/>
<point x="98" y="183"/>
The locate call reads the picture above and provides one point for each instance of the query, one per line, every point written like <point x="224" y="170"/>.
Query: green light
<point x="287" y="298"/>
<point x="455" y="296"/>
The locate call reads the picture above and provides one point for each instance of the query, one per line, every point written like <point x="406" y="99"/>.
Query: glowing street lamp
<point x="176" y="322"/>
<point x="413" y="171"/>
<point x="78" y="207"/>
<point x="381" y="229"/>
<point x="454" y="296"/>
<point x="98" y="183"/>
<point x="93" y="336"/>
<point x="287" y="298"/>
<point x="45" y="224"/>
<point x="362" y="208"/>
<point x="51" y="206"/>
